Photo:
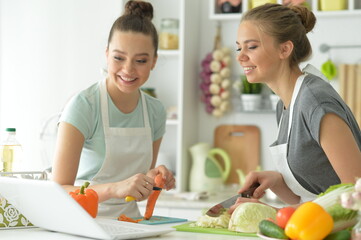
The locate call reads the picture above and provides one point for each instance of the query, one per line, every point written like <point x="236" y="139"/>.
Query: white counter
<point x="40" y="234"/>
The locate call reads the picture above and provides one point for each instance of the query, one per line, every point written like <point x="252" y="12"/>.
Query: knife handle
<point x="129" y="198"/>
<point x="249" y="192"/>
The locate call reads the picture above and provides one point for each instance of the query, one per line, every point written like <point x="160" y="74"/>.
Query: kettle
<point x="206" y="173"/>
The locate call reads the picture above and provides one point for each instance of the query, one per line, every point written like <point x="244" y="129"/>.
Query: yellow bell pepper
<point x="309" y="222"/>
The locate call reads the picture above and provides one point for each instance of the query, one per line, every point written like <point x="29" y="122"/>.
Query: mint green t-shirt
<point x="83" y="112"/>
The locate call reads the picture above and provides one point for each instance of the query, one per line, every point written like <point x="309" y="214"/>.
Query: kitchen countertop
<point x="189" y="200"/>
<point x="168" y="199"/>
<point x="40" y="234"/>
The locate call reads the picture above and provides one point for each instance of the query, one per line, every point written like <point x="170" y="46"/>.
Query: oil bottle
<point x="10" y="152"/>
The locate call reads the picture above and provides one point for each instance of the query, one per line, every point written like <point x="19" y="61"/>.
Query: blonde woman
<point x="319" y="141"/>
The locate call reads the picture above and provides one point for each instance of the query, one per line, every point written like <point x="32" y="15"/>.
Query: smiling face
<point x="258" y="53"/>
<point x="130" y="58"/>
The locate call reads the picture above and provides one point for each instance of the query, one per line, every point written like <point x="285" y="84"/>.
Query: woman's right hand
<point x="138" y="186"/>
<point x="265" y="179"/>
<point x="270" y="180"/>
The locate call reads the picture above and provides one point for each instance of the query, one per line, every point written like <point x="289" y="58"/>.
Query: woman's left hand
<point x="167" y="175"/>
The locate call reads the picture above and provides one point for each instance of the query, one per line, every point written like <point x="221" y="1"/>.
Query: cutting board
<point x="161" y="220"/>
<point x="242" y="143"/>
<point x="187" y="227"/>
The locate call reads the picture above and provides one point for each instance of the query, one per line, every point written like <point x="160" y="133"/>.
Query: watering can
<point x="207" y="174"/>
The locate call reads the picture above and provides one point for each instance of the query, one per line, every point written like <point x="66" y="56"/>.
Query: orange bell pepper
<point x="309" y="222"/>
<point x="87" y="198"/>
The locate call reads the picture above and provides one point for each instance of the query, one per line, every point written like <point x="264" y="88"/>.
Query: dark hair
<point x="285" y="23"/>
<point x="137" y="17"/>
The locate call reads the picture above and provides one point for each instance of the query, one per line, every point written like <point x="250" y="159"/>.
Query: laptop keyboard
<point x="116" y="229"/>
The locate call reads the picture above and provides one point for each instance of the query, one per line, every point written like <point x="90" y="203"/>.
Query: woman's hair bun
<point x="307" y="17"/>
<point x="140" y="8"/>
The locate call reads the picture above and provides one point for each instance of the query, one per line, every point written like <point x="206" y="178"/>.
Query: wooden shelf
<point x="174" y="53"/>
<point x="353" y="9"/>
<point x="172" y="122"/>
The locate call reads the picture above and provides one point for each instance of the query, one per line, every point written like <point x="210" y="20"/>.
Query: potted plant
<point x="250" y="94"/>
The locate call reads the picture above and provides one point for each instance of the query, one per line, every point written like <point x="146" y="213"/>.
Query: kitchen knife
<point x="130" y="198"/>
<point x="219" y="208"/>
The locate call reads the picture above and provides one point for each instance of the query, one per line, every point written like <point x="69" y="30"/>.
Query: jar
<point x="168" y="36"/>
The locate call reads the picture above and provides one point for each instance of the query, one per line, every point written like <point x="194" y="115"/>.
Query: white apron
<point x="279" y="154"/>
<point x="127" y="151"/>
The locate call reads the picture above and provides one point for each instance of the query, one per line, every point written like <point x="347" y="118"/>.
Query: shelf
<point x="226" y="16"/>
<point x="174" y="78"/>
<point x="162" y="52"/>
<point x="353" y="9"/>
<point x="259" y="111"/>
<point x="172" y="122"/>
<point x="340" y="13"/>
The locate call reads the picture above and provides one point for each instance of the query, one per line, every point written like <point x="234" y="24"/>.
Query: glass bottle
<point x="168" y="36"/>
<point x="11" y="152"/>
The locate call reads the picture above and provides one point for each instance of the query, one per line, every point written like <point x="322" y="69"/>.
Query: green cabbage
<point x="213" y="222"/>
<point x="246" y="217"/>
<point x="330" y="201"/>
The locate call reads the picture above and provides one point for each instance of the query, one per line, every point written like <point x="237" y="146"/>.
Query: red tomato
<point x="283" y="215"/>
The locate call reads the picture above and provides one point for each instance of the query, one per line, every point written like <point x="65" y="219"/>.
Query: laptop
<point x="47" y="205"/>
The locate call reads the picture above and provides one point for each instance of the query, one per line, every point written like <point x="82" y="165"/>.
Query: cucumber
<point x="340" y="235"/>
<point x="271" y="229"/>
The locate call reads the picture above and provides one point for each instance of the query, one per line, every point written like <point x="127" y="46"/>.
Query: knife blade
<point x="130" y="198"/>
<point x="219" y="208"/>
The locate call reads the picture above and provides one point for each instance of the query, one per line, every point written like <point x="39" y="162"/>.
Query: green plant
<point x="250" y="88"/>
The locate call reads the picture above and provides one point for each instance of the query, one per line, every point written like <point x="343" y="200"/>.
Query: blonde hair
<point x="285" y="23"/>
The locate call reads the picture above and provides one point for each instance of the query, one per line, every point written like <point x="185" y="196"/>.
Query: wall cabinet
<point x="352" y="7"/>
<point x="175" y="80"/>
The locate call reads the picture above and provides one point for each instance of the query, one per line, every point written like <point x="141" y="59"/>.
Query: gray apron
<point x="279" y="154"/>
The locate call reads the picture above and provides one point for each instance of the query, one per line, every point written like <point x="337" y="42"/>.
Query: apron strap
<point x="145" y="110"/>
<point x="105" y="111"/>
<point x="104" y="104"/>
<point x="279" y="152"/>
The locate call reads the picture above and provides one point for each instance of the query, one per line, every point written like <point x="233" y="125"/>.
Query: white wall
<point x="49" y="50"/>
<point x="341" y="30"/>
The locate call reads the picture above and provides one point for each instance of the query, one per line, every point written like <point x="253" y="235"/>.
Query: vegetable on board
<point x="330" y="201"/>
<point x="271" y="229"/>
<point x="340" y="235"/>
<point x="87" y="198"/>
<point x="283" y="215"/>
<point x="247" y="216"/>
<point x="125" y="218"/>
<point x="206" y="221"/>
<point x="309" y="221"/>
<point x="152" y="199"/>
